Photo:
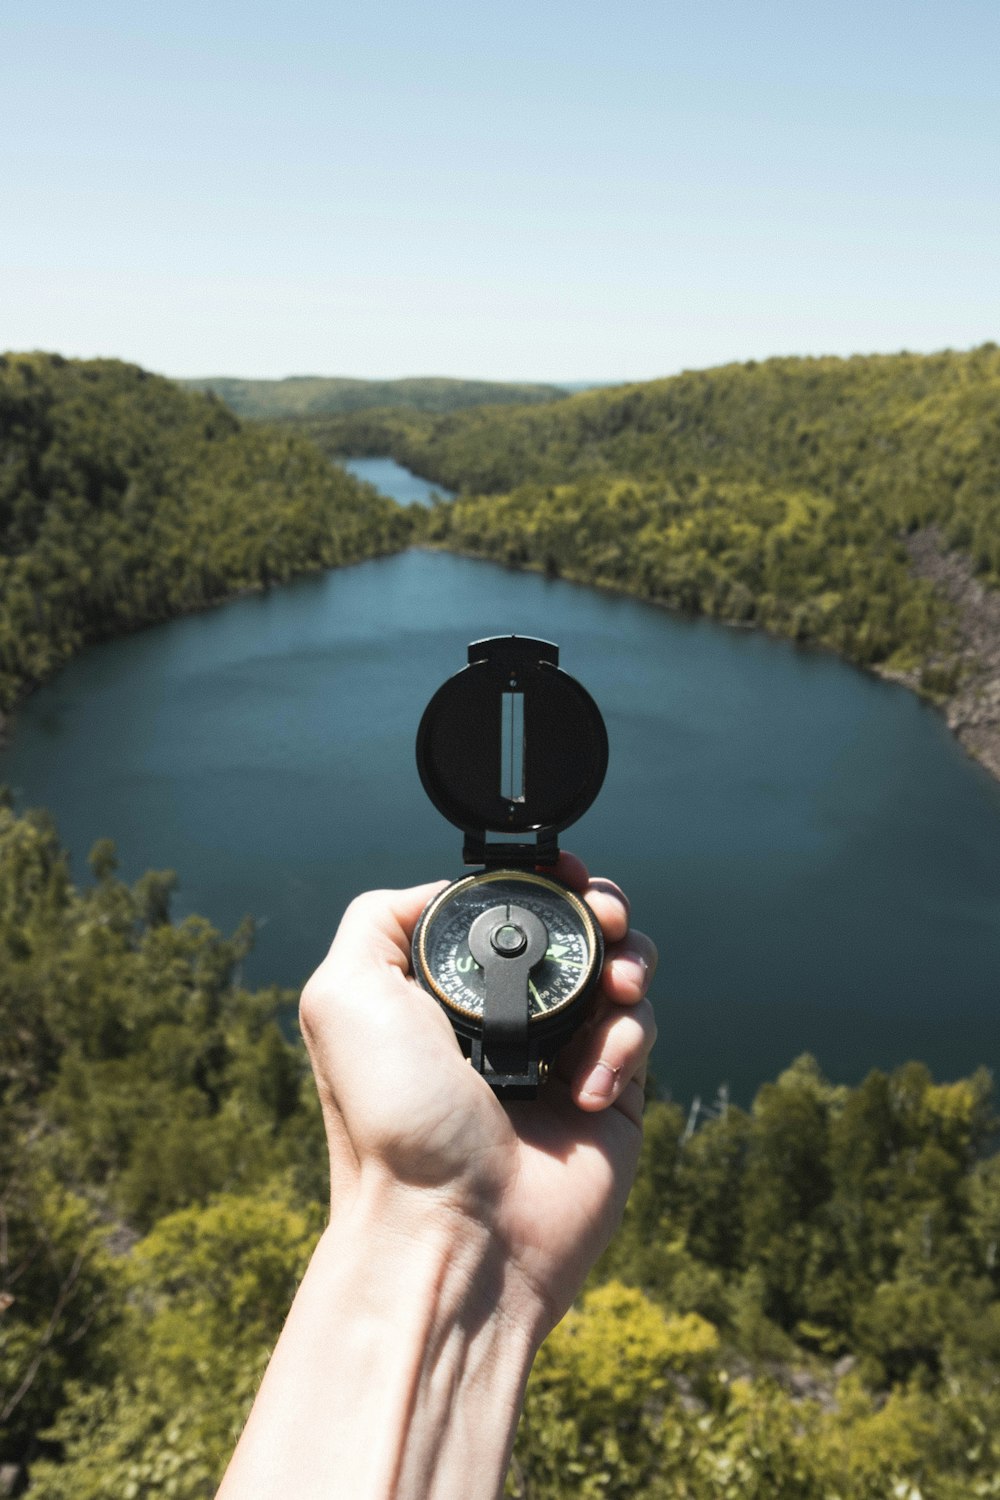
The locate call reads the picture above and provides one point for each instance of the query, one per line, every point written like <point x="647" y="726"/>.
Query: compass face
<point x="448" y="969"/>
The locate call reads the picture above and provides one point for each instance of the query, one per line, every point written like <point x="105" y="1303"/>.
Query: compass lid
<point x="512" y="745"/>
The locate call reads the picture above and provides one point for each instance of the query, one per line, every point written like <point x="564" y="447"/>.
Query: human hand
<point x="460" y="1229"/>
<point x="545" y="1181"/>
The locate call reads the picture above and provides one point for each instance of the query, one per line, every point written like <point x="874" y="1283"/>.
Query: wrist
<point x="414" y="1313"/>
<point x="424" y="1235"/>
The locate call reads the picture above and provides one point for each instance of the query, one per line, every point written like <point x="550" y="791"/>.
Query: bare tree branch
<point x="65" y="1292"/>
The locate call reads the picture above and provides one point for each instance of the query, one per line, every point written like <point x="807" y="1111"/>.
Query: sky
<point x="543" y="190"/>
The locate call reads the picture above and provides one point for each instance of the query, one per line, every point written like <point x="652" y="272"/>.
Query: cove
<point x="816" y="857"/>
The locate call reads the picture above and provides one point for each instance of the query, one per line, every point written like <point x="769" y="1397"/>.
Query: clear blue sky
<point x="527" y="190"/>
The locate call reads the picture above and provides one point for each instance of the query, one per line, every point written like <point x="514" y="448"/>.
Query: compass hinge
<point x="544" y="851"/>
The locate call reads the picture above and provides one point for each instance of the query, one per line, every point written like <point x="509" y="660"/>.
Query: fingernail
<point x="600" y="1083"/>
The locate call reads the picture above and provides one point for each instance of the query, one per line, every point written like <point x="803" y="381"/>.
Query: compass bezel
<point x="556" y="1014"/>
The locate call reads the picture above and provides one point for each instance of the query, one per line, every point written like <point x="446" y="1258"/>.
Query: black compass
<point x="515" y="748"/>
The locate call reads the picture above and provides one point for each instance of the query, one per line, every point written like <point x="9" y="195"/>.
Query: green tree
<point x="209" y="1290"/>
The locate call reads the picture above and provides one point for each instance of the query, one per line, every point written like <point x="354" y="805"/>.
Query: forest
<point x="804" y="1300"/>
<point x="778" y="494"/>
<point x="124" y="500"/>
<point x="320" y="395"/>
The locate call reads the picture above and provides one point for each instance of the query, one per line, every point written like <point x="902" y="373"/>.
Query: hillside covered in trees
<point x="803" y="1303"/>
<point x="124" y="500"/>
<point x="804" y="1300"/>
<point x="778" y="494"/>
<point x="319" y="395"/>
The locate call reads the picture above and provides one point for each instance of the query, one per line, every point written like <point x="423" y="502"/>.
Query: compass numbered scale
<point x="512" y="750"/>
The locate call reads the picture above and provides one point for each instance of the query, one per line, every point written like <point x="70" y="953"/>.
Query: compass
<point x="511" y="750"/>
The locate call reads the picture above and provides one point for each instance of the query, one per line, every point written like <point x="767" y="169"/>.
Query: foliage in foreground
<point x="842" y="1244"/>
<point x="137" y="1078"/>
<point x="204" y="1295"/>
<point x="803" y="1302"/>
<point x="124" y="500"/>
<point x="683" y="1420"/>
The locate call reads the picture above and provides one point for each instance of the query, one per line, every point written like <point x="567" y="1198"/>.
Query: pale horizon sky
<point x="558" y="192"/>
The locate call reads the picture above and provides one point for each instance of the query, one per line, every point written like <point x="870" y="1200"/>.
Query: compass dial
<point x="446" y="966"/>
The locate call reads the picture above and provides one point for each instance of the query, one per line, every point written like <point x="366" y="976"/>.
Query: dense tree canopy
<point x="125" y="500"/>
<point x="804" y="1299"/>
<point x="319" y="395"/>
<point x="776" y="493"/>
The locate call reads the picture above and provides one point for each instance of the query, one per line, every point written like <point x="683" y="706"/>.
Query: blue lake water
<point x="392" y="479"/>
<point x="818" y="860"/>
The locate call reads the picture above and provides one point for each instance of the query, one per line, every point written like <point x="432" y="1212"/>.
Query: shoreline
<point x="972" y="711"/>
<point x="245" y="591"/>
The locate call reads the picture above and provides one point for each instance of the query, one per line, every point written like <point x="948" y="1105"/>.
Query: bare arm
<point x="460" y="1230"/>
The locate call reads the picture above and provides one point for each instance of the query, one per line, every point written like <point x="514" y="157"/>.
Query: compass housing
<point x="512" y="747"/>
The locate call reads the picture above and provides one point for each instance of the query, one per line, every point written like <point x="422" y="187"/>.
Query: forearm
<point x="400" y="1371"/>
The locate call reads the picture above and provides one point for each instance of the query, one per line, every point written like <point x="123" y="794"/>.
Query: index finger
<point x="606" y="900"/>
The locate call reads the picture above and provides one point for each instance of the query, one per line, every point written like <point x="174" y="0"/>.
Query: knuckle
<point x="365" y="905"/>
<point x="313" y="1003"/>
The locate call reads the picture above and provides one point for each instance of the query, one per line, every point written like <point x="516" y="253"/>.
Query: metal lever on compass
<point x="507" y="942"/>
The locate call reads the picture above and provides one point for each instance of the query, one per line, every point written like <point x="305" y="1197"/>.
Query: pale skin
<point x="460" y="1229"/>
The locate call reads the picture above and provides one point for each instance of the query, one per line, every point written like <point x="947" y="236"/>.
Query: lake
<point x="392" y="479"/>
<point x="816" y="857"/>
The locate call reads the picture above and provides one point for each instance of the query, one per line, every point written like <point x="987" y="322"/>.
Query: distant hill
<point x="319" y="395"/>
<point x="124" y="499"/>
<point x="817" y="498"/>
<point x="779" y="493"/>
<point x="828" y="423"/>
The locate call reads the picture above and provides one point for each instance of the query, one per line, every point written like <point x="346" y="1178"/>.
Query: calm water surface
<point x="392" y="479"/>
<point x="817" y="859"/>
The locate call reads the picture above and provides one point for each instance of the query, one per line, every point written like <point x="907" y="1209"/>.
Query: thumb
<point x="365" y="1021"/>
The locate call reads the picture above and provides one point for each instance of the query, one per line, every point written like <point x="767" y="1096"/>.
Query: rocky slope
<point x="973" y="709"/>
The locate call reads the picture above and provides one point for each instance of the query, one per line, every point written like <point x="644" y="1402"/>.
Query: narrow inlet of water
<point x="391" y="479"/>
